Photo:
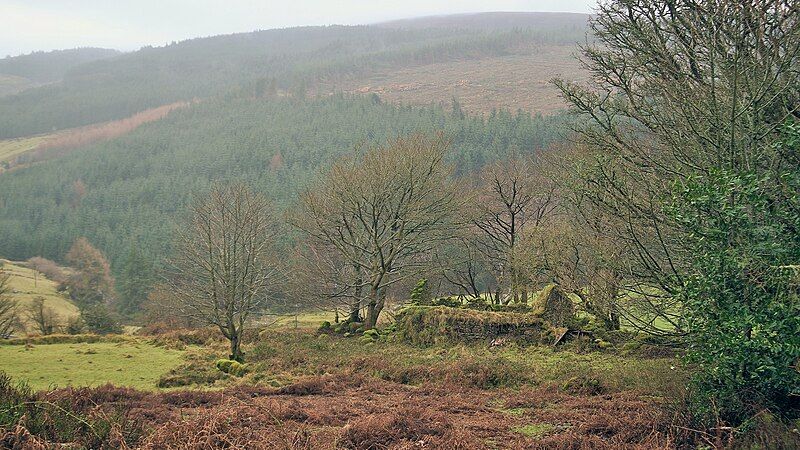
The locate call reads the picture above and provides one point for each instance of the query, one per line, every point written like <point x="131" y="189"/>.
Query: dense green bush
<point x="99" y="319"/>
<point x="742" y="290"/>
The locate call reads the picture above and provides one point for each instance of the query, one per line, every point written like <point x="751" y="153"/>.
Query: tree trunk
<point x="614" y="321"/>
<point x="355" y="306"/>
<point x="355" y="313"/>
<point x="377" y="299"/>
<point x="612" y="291"/>
<point x="236" y="350"/>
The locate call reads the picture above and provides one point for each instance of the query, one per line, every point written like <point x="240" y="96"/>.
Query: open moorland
<point x="309" y="389"/>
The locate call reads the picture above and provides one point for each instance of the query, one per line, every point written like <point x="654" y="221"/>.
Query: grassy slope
<point x="11" y="148"/>
<point x="306" y="320"/>
<point x="88" y="364"/>
<point x="25" y="287"/>
<point x="286" y="355"/>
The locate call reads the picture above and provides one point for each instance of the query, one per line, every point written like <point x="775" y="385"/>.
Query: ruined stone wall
<point x="426" y="325"/>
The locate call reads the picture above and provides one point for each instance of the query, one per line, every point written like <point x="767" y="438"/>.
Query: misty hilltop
<point x="415" y="61"/>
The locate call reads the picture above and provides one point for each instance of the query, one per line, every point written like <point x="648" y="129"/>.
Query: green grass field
<point x="11" y="148"/>
<point x="305" y="320"/>
<point x="131" y="364"/>
<point x="26" y="285"/>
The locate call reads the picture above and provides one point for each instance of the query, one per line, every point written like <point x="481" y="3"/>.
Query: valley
<point x="490" y="230"/>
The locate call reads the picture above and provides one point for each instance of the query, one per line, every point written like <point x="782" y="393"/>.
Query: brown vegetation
<point x="91" y="283"/>
<point x="519" y="81"/>
<point x="68" y="140"/>
<point x="61" y="143"/>
<point x="50" y="269"/>
<point x="367" y="415"/>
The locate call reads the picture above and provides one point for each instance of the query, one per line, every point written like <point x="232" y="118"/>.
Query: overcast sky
<point x="28" y="25"/>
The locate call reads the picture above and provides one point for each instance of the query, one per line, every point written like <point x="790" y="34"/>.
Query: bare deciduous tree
<point x="568" y="252"/>
<point x="514" y="195"/>
<point x="384" y="212"/>
<point x="224" y="270"/>
<point x="462" y="266"/>
<point x="9" y="319"/>
<point x="322" y="278"/>
<point x="43" y="318"/>
<point x="683" y="88"/>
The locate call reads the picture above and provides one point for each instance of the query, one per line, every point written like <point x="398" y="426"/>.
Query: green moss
<point x="513" y="411"/>
<point x="231" y="367"/>
<point x="373" y="333"/>
<point x="540" y="300"/>
<point x="535" y="430"/>
<point x="238" y="369"/>
<point x="604" y="344"/>
<point x="224" y="365"/>
<point x="630" y="347"/>
<point x="583" y="385"/>
<point x="553" y="305"/>
<point x="427" y="325"/>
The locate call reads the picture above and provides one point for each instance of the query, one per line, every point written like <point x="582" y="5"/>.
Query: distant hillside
<point x="20" y="152"/>
<point x="43" y="67"/>
<point x="518" y="81"/>
<point x="128" y="191"/>
<point x="11" y="84"/>
<point x="290" y="61"/>
<point x="495" y="21"/>
<point x="272" y="108"/>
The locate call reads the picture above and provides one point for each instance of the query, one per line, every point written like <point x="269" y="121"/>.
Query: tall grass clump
<point x="30" y="420"/>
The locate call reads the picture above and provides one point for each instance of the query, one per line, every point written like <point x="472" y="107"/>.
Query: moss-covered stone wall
<point x="430" y="325"/>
